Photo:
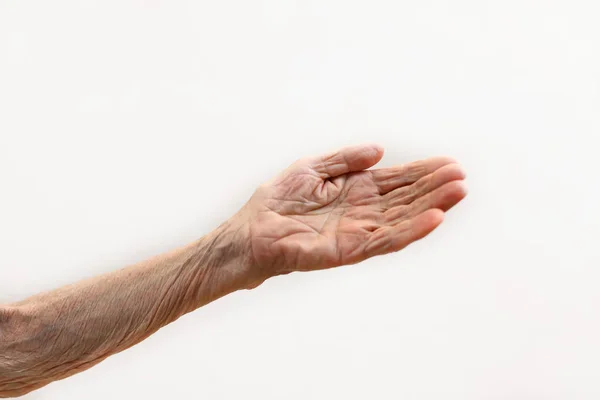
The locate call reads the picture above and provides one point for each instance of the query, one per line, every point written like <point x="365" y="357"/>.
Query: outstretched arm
<point x="321" y="212"/>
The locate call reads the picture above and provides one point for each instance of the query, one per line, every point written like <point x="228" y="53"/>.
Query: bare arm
<point x="321" y="212"/>
<point x="57" y="334"/>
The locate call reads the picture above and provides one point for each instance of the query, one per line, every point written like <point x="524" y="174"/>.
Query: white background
<point x="131" y="127"/>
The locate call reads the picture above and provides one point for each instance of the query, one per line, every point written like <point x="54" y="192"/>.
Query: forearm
<point x="56" y="334"/>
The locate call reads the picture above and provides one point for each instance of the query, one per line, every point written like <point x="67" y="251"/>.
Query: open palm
<point x="328" y="211"/>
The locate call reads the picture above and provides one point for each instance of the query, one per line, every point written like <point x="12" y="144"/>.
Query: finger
<point x="394" y="238"/>
<point x="388" y="179"/>
<point x="347" y="159"/>
<point x="445" y="197"/>
<point x="442" y="198"/>
<point x="408" y="194"/>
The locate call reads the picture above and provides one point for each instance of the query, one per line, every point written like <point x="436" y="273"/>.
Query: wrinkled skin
<point x="332" y="210"/>
<point x="321" y="212"/>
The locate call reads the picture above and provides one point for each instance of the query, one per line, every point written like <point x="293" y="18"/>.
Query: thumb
<point x="347" y="159"/>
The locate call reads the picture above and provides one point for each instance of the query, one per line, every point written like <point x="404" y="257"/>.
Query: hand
<point x="329" y="211"/>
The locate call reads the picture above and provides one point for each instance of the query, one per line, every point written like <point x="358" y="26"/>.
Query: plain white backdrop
<point x="128" y="128"/>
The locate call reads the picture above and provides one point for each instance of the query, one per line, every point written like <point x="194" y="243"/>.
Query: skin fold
<point x="321" y="212"/>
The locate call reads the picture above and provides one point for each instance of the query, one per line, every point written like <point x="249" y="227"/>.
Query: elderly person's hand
<point x="331" y="210"/>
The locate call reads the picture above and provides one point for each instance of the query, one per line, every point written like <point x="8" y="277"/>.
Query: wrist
<point x="228" y="254"/>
